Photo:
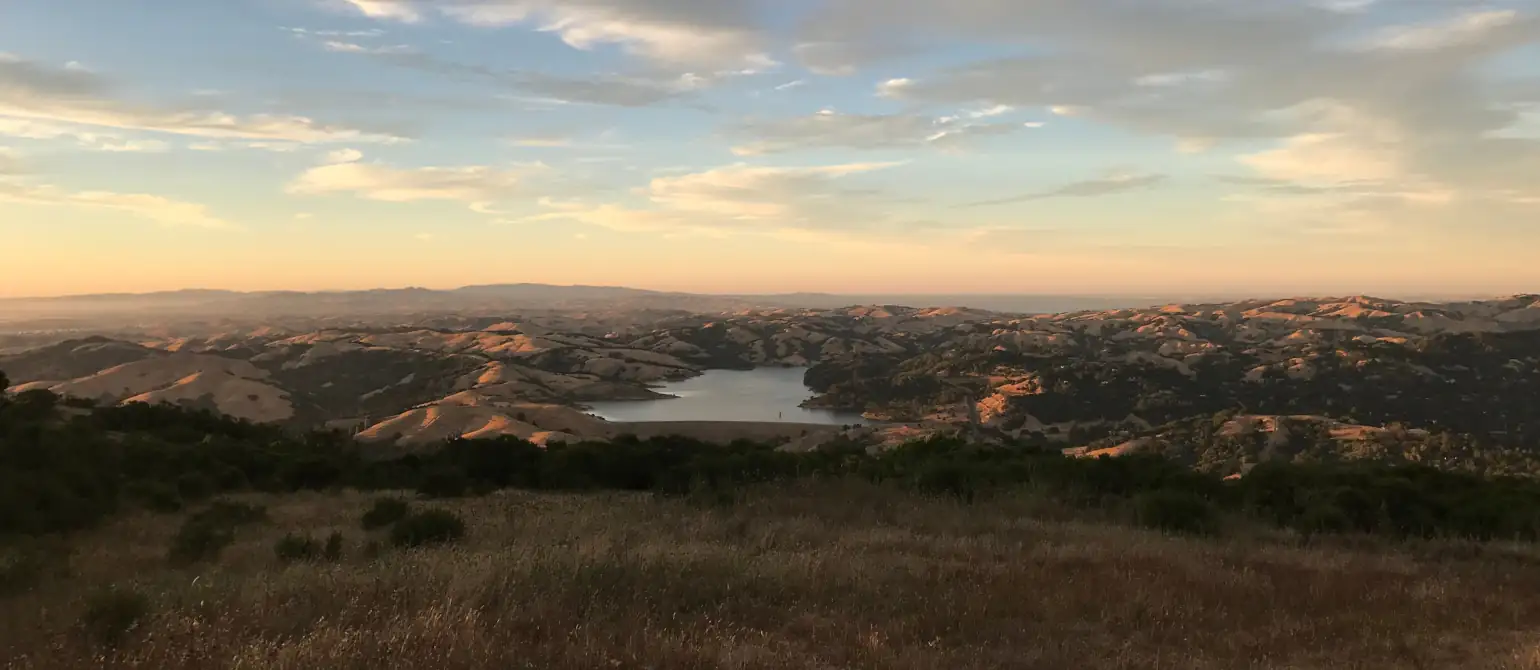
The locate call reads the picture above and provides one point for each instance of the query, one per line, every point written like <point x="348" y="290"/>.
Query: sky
<point x="1287" y="147"/>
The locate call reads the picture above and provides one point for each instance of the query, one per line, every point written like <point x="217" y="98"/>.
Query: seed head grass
<point x="804" y="576"/>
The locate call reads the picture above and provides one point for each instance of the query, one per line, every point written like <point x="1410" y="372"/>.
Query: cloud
<point x="473" y="185"/>
<point x="10" y="162"/>
<point x="1330" y="157"/>
<point x="1112" y="183"/>
<point x="17" y="188"/>
<point x="339" y="46"/>
<point x="568" y="140"/>
<point x="83" y="138"/>
<point x="274" y="147"/>
<point x="341" y="156"/>
<point x="164" y="211"/>
<point x="683" y="33"/>
<point x="1342" y="92"/>
<point x="370" y="33"/>
<point x="546" y="142"/>
<point x="837" y="57"/>
<point x="737" y="199"/>
<point x="743" y="192"/>
<point x="591" y="89"/>
<point x="395" y="10"/>
<point x="1349" y="162"/>
<point x="856" y="131"/>
<point x="55" y="97"/>
<point x="1462" y="30"/>
<point x="1221" y="66"/>
<point x="616" y="90"/>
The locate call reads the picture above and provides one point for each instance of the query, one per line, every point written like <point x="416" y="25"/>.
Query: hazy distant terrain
<point x="414" y="368"/>
<point x="180" y="306"/>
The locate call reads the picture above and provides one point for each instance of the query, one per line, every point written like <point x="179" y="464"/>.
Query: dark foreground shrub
<point x="954" y="479"/>
<point x="205" y="534"/>
<point x="385" y="512"/>
<point x="198" y="541"/>
<point x="26" y="564"/>
<point x="445" y="483"/>
<point x="113" y="613"/>
<point x="291" y="548"/>
<point x="333" y="549"/>
<point x="194" y="487"/>
<point x="1323" y="518"/>
<point x="1176" y="511"/>
<point x="154" y="496"/>
<point x="426" y="528"/>
<point x="232" y="514"/>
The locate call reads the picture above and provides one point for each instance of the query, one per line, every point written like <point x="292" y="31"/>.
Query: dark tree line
<point x="65" y="468"/>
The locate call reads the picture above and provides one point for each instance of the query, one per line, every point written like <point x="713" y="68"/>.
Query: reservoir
<point x="763" y="394"/>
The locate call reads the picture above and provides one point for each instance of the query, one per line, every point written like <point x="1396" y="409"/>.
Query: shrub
<point x="1323" y="518"/>
<point x="24" y="565"/>
<point x="385" y="512"/>
<point x="194" y="487"/>
<point x="291" y="548"/>
<point x="199" y="540"/>
<point x="333" y="550"/>
<point x="113" y="613"/>
<point x="1176" y="511"/>
<point x="232" y="514"/>
<point x="231" y="479"/>
<point x="155" y="496"/>
<point x="444" y="483"/>
<point x="949" y="478"/>
<point x="206" y="533"/>
<point x="426" y="528"/>
<point x="712" y="494"/>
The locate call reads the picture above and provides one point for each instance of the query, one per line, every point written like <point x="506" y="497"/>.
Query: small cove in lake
<point x="759" y="395"/>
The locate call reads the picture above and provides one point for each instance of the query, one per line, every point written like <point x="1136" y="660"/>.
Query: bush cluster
<point x="25" y="564"/>
<point x="68" y="471"/>
<point x="293" y="548"/>
<point x="203" y="535"/>
<point x="59" y="474"/>
<point x="427" y="528"/>
<point x="386" y="511"/>
<point x="112" y="614"/>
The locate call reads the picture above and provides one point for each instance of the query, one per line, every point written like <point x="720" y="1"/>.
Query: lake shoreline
<point x="769" y="394"/>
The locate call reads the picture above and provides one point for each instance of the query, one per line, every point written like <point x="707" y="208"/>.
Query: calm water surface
<point x="765" y="394"/>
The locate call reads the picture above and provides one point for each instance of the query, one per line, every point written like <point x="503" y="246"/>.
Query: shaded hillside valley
<point x="1220" y="387"/>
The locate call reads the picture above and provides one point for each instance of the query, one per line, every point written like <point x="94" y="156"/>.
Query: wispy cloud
<point x="863" y="131"/>
<point x="162" y="210"/>
<point x="56" y="96"/>
<point x="1112" y="183"/>
<point x="737" y="199"/>
<point x="343" y="172"/>
<point x="83" y="138"/>
<point x="716" y="35"/>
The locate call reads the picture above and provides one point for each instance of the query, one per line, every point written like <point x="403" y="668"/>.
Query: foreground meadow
<point x="802" y="576"/>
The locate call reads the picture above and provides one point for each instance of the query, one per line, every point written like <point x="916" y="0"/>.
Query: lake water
<point x="765" y="394"/>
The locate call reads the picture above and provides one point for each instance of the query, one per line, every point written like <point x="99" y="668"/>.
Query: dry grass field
<point x="803" y="577"/>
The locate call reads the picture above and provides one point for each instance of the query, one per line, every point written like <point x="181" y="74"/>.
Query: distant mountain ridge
<point x="97" y="312"/>
<point x="100" y="310"/>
